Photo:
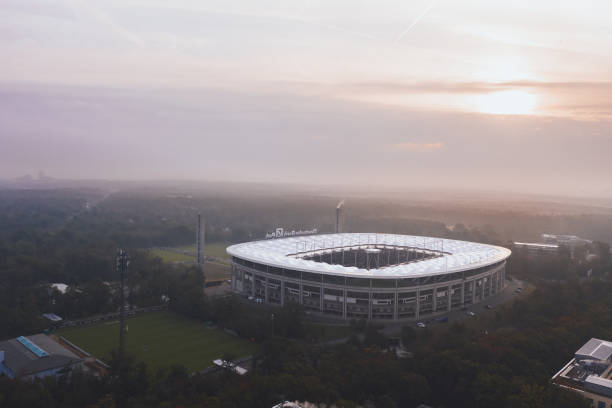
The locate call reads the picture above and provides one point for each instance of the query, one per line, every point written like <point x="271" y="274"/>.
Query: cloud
<point x="420" y="147"/>
<point x="573" y="99"/>
<point x="472" y="87"/>
<point x="216" y="134"/>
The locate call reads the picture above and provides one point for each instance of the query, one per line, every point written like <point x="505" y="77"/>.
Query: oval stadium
<point x="369" y="276"/>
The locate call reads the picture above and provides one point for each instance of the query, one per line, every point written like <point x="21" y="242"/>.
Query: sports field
<point x="213" y="249"/>
<point x="168" y="255"/>
<point x="219" y="269"/>
<point x="161" y="339"/>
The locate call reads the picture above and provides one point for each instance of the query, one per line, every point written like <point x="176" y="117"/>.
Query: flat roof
<point x="456" y="256"/>
<point x="595" y="349"/>
<point x="537" y="245"/>
<point x="24" y="360"/>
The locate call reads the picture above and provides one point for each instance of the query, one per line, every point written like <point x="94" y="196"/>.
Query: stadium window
<point x="274" y="270"/>
<point x="334" y="280"/>
<point x="290" y="273"/>
<point x="309" y="276"/>
<point x="358" y="295"/>
<point x="406" y="282"/>
<point x="361" y="282"/>
<point x="383" y="283"/>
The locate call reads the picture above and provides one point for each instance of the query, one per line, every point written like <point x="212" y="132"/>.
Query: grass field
<point x="216" y="271"/>
<point x="215" y="250"/>
<point x="186" y="253"/>
<point x="161" y="339"/>
<point x="171" y="256"/>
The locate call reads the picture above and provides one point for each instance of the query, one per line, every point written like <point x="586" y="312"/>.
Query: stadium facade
<point x="370" y="276"/>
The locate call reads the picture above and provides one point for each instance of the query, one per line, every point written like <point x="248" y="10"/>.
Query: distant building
<point x="230" y="366"/>
<point x="35" y="356"/>
<point x="589" y="373"/>
<point x="61" y="287"/>
<point x="572" y="241"/>
<point x="533" y="248"/>
<point x="53" y="317"/>
<point x="288" y="404"/>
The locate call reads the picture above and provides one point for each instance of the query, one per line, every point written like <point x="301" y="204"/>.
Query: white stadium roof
<point x="458" y="255"/>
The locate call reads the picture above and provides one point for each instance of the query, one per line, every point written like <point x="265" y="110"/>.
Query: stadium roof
<point x="458" y="255"/>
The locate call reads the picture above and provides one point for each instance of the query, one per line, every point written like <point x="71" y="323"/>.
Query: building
<point x="289" y="404"/>
<point x="533" y="248"/>
<point x="369" y="276"/>
<point x="589" y="373"/>
<point x="230" y="366"/>
<point x="571" y="241"/>
<point x="35" y="356"/>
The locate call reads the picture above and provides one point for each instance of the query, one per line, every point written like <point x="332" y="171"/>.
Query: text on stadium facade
<point x="281" y="233"/>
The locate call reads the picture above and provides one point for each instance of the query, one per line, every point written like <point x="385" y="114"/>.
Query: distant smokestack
<point x="338" y="213"/>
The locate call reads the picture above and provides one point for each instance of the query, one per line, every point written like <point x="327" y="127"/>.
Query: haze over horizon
<point x="427" y="93"/>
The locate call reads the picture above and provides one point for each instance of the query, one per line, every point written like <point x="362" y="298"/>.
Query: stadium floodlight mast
<point x="199" y="255"/>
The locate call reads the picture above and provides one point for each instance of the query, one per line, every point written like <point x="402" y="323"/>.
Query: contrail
<point x="414" y="22"/>
<point x="105" y="19"/>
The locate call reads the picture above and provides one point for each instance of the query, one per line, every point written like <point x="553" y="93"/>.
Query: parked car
<point x="421" y="325"/>
<point x="470" y="313"/>
<point x="489" y="307"/>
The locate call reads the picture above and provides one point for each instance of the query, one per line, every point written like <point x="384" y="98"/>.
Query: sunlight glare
<point x="511" y="102"/>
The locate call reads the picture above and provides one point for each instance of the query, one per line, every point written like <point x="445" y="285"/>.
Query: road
<point x="509" y="293"/>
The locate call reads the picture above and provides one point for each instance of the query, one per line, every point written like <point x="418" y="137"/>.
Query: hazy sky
<point x="480" y="94"/>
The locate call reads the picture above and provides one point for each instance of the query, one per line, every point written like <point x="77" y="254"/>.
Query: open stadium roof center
<point x="372" y="276"/>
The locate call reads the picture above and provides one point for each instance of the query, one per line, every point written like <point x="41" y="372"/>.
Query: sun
<point x="510" y="102"/>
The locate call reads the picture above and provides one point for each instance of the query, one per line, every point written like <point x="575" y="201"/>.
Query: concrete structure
<point x="35" y="356"/>
<point x="589" y="373"/>
<point x="370" y="276"/>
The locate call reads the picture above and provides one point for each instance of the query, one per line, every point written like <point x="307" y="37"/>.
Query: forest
<point x="502" y="359"/>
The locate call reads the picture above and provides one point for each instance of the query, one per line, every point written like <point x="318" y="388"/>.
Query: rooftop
<point x="537" y="245"/>
<point x="291" y="253"/>
<point x="595" y="349"/>
<point x="33" y="354"/>
<point x="589" y="370"/>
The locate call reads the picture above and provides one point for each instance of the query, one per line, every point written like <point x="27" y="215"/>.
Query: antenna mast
<point x="121" y="264"/>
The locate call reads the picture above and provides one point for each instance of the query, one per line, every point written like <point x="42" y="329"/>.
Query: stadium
<point x="369" y="276"/>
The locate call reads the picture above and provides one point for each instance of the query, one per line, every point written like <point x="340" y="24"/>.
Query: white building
<point x="589" y="373"/>
<point x="534" y="248"/>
